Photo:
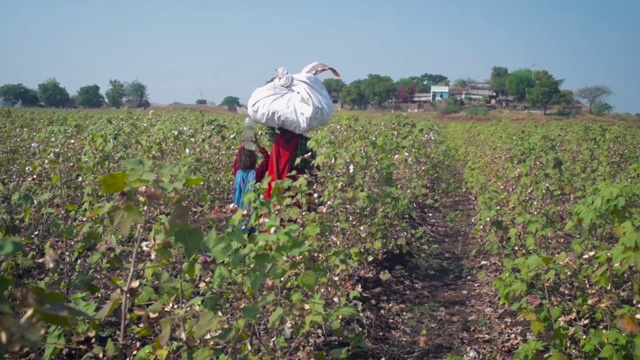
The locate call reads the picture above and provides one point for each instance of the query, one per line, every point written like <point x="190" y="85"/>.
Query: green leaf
<point x="608" y="352"/>
<point x="165" y="325"/>
<point x="137" y="167"/>
<point x="108" y="308"/>
<point x="557" y="356"/>
<point x="123" y="218"/>
<point x="194" y="180"/>
<point x="204" y="353"/>
<point x="275" y="317"/>
<point x="308" y="280"/>
<point x="346" y="311"/>
<point x="55" y="343"/>
<point x="113" y="183"/>
<point x="251" y="312"/>
<point x="191" y="239"/>
<point x="256" y="279"/>
<point x="10" y="246"/>
<point x="340" y="353"/>
<point x="312" y="230"/>
<point x="219" y="275"/>
<point x="110" y="349"/>
<point x="537" y="327"/>
<point x="313" y="318"/>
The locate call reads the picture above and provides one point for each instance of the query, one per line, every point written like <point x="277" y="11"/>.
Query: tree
<point x="518" y="82"/>
<point x="546" y="90"/>
<point x="377" y="88"/>
<point x="407" y="88"/>
<point x="334" y="85"/>
<point x="594" y="95"/>
<point x="201" y="102"/>
<point x="30" y="98"/>
<point x="462" y="83"/>
<point x="230" y="101"/>
<point x="498" y="80"/>
<point x="52" y="94"/>
<point x="353" y="95"/>
<point x="89" y="97"/>
<point x="432" y="79"/>
<point x="115" y="94"/>
<point x="602" y="107"/>
<point x="135" y="91"/>
<point x="566" y="102"/>
<point x="19" y="94"/>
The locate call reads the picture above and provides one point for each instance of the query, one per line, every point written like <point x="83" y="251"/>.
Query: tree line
<point x="537" y="88"/>
<point x="534" y="87"/>
<point x="51" y="94"/>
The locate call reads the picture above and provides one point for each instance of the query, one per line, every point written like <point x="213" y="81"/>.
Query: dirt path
<point x="434" y="305"/>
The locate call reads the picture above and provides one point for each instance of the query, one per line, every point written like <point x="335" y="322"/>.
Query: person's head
<point x="247" y="159"/>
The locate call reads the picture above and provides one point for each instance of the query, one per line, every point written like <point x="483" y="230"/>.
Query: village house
<point x="439" y="92"/>
<point x="478" y="91"/>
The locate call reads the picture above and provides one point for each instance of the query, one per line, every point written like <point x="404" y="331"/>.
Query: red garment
<point x="283" y="152"/>
<point x="261" y="170"/>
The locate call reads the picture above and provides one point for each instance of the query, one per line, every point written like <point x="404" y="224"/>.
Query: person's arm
<point x="262" y="169"/>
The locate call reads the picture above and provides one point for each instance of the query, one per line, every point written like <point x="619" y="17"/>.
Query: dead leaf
<point x="628" y="325"/>
<point x="423" y="342"/>
<point x="533" y="300"/>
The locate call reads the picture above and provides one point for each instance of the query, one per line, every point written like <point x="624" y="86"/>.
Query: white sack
<point x="298" y="102"/>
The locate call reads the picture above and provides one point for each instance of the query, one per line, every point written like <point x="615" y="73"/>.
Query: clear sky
<point x="224" y="47"/>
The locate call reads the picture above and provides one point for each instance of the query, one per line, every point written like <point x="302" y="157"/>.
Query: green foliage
<point x="498" y="82"/>
<point x="129" y="219"/>
<point x="477" y="110"/>
<point x="428" y="80"/>
<point x="115" y="94"/>
<point x="334" y="85"/>
<point x="353" y="95"/>
<point x="560" y="204"/>
<point x="566" y="101"/>
<point x="462" y="83"/>
<point x="90" y="97"/>
<point x="230" y="101"/>
<point x="595" y="96"/>
<point x="450" y="106"/>
<point x="201" y="102"/>
<point x="377" y="89"/>
<point x="519" y="82"/>
<point x="601" y="108"/>
<point x="52" y="94"/>
<point x="546" y="90"/>
<point x="19" y="94"/>
<point x="135" y="91"/>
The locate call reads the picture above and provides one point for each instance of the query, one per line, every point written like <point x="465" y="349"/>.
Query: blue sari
<point x="245" y="179"/>
<point x="242" y="185"/>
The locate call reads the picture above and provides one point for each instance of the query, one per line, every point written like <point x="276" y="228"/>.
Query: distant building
<point x="421" y="97"/>
<point x="477" y="91"/>
<point x="439" y="92"/>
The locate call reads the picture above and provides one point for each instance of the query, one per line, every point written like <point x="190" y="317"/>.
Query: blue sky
<point x="223" y="47"/>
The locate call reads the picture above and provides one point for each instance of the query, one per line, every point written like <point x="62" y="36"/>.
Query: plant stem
<point x="125" y="296"/>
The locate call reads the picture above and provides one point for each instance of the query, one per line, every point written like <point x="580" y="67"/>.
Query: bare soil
<point x="435" y="304"/>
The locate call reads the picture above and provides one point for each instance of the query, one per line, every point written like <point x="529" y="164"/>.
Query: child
<point x="246" y="173"/>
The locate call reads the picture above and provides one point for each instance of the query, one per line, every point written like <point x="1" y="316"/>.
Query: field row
<point x="560" y="203"/>
<point x="112" y="213"/>
<point x="97" y="203"/>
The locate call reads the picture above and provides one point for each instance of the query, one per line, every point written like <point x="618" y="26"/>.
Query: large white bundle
<point x="298" y="102"/>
